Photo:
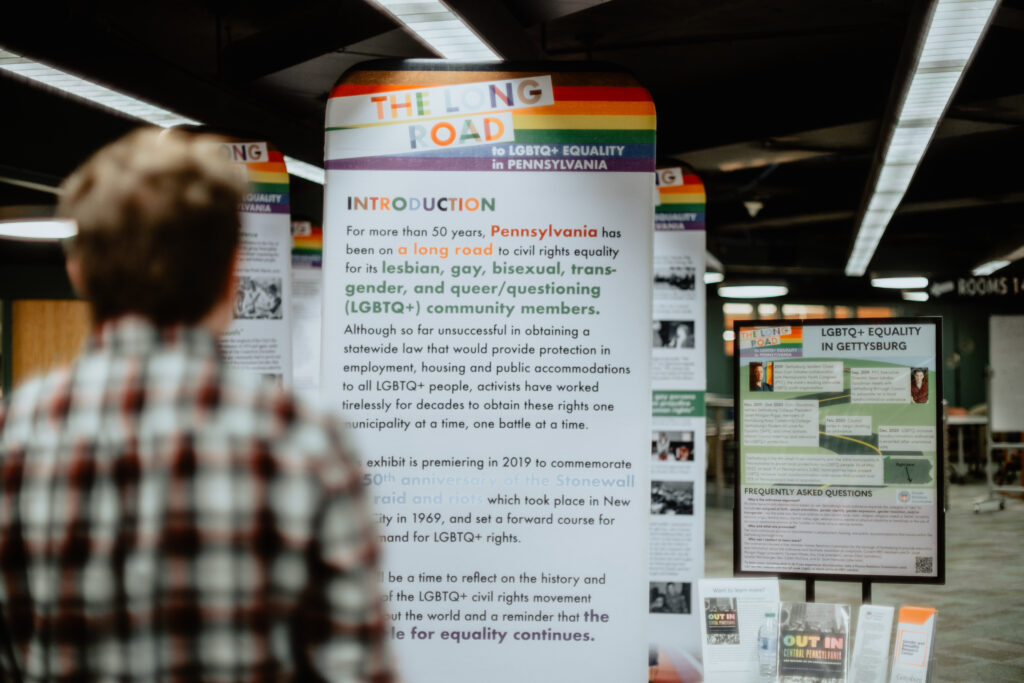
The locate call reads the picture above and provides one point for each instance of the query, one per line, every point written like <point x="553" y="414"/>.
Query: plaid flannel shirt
<point x="164" y="518"/>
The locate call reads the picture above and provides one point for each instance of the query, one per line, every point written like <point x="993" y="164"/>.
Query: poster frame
<point x="940" y="502"/>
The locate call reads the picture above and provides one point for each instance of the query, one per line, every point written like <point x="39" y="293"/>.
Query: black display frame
<point x="940" y="512"/>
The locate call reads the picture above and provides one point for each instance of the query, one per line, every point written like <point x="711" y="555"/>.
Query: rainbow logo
<point x="307" y="244"/>
<point x="267" y="175"/>
<point x="681" y="200"/>
<point x="426" y="116"/>
<point x="785" y="341"/>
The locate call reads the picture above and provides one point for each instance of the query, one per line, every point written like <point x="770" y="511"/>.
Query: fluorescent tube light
<point x="711" y="277"/>
<point x="440" y="29"/>
<point x="120" y="103"/>
<point x="990" y="267"/>
<point x="38" y="229"/>
<point x="738" y="309"/>
<point x="915" y="296"/>
<point x="954" y="30"/>
<point x="752" y="291"/>
<point x="96" y="94"/>
<point x="999" y="262"/>
<point x="304" y="170"/>
<point x="900" y="282"/>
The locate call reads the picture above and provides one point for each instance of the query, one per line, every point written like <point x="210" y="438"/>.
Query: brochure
<point x="813" y="642"/>
<point x="731" y="612"/>
<point x="912" y="655"/>
<point x="870" y="661"/>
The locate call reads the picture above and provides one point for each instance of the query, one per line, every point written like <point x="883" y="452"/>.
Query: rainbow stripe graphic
<point x="308" y="247"/>
<point x="313" y="243"/>
<point x="786" y="341"/>
<point x="596" y="122"/>
<point x="268" y="185"/>
<point x="682" y="206"/>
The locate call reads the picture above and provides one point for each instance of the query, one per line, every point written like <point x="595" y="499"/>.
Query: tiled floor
<point x="980" y="628"/>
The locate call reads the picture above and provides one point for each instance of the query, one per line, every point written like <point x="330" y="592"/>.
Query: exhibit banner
<point x="307" y="300"/>
<point x="487" y="270"/>
<point x="839" y="433"/>
<point x="259" y="338"/>
<point x="678" y="438"/>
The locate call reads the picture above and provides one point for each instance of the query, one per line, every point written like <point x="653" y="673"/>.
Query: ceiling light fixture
<point x="914" y="282"/>
<point x="990" y="267"/>
<point x="711" y="277"/>
<point x="954" y="29"/>
<point x="38" y="229"/>
<point x="752" y="291"/>
<point x="122" y="104"/>
<point x="998" y="263"/>
<point x="915" y="296"/>
<point x="303" y="170"/>
<point x="96" y="94"/>
<point x="440" y="29"/>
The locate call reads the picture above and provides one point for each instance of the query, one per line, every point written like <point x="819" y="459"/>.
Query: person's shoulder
<point x="298" y="430"/>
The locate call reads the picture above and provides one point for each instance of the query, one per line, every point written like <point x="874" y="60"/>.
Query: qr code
<point x="923" y="565"/>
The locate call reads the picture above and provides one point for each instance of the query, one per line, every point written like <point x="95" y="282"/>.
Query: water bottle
<point x="767" y="644"/>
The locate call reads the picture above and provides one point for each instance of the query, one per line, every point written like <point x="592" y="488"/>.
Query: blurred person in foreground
<point x="164" y="517"/>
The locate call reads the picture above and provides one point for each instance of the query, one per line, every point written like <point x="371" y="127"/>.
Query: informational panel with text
<point x="307" y="302"/>
<point x="839" y="432"/>
<point x="259" y="339"/>
<point x="678" y="443"/>
<point x="487" y="274"/>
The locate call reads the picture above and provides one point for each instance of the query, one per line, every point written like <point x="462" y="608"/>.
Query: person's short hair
<point x="158" y="225"/>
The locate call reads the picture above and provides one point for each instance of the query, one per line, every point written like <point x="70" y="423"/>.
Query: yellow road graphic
<point x="833" y="398"/>
<point x="862" y="443"/>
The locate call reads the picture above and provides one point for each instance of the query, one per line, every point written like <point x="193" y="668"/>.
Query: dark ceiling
<point x="774" y="101"/>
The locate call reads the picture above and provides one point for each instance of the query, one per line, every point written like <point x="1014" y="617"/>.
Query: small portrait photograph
<point x="670" y="446"/>
<point x="675" y="276"/>
<point x="259" y="298"/>
<point x="669" y="597"/>
<point x="671" y="497"/>
<point x="672" y="334"/>
<point x="919" y="385"/>
<point x="761" y="376"/>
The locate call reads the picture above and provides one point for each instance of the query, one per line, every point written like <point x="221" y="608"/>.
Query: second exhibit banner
<point x="486" y="331"/>
<point x="678" y="439"/>
<point x="839" y="435"/>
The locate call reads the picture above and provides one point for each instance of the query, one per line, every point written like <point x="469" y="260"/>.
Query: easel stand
<point x="865" y="591"/>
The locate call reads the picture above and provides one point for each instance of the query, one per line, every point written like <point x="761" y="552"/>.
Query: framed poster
<point x="839" y="434"/>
